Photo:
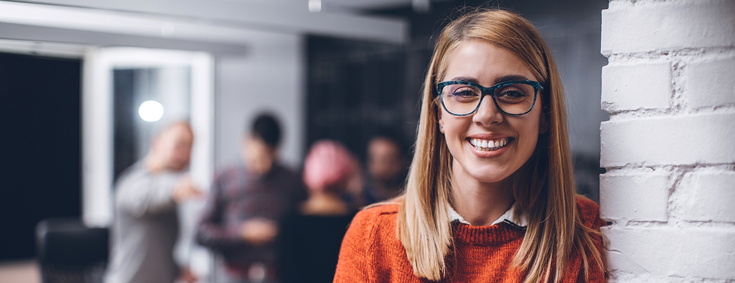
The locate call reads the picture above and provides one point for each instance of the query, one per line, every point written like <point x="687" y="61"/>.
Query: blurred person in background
<point x="387" y="168"/>
<point x="308" y="246"/>
<point x="146" y="222"/>
<point x="245" y="203"/>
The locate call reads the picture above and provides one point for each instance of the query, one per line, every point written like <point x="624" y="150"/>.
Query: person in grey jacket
<point x="146" y="223"/>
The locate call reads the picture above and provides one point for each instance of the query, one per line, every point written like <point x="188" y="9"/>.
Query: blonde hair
<point x="543" y="187"/>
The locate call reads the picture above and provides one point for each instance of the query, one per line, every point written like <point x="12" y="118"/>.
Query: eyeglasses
<point x="461" y="98"/>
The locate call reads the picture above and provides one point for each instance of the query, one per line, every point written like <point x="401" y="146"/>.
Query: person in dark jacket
<point x="310" y="238"/>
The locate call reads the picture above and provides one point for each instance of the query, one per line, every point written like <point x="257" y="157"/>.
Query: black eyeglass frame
<point x="488" y="91"/>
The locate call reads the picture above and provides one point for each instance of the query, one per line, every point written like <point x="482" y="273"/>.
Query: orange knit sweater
<point x="372" y="252"/>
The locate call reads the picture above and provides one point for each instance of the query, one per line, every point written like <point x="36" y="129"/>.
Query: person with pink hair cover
<point x="328" y="167"/>
<point x="310" y="239"/>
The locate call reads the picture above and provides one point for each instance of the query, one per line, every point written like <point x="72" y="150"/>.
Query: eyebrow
<point x="465" y="79"/>
<point x="510" y="78"/>
<point x="497" y="81"/>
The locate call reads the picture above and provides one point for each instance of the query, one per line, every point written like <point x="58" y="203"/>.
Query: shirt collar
<point x="508" y="216"/>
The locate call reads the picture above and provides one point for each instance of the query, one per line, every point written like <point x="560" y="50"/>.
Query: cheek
<point x="451" y="131"/>
<point x="528" y="137"/>
<point x="530" y="144"/>
<point x="454" y="132"/>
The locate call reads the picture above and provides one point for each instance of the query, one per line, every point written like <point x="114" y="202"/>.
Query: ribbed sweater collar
<point x="493" y="235"/>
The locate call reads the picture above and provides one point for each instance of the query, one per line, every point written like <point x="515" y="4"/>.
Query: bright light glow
<point x="150" y="111"/>
<point x="315" y="6"/>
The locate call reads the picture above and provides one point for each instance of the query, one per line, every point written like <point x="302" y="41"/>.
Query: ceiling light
<point x="150" y="111"/>
<point x="315" y="6"/>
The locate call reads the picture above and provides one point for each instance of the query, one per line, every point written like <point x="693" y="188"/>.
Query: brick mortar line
<point x="677" y="225"/>
<point x="692" y="168"/>
<point x="678" y="102"/>
<point x="675" y="195"/>
<point x="618" y="4"/>
<point x="626" y="276"/>
<point x="702" y="279"/>
<point x="662" y="55"/>
<point x="678" y="108"/>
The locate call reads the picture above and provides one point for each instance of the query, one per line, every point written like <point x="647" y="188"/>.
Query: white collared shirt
<point x="520" y="221"/>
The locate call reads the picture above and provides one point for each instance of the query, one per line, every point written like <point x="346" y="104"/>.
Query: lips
<point x="489" y="144"/>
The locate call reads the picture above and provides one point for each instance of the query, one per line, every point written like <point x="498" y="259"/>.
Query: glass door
<point x="129" y="94"/>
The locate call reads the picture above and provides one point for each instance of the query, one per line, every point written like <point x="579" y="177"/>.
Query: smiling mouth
<point x="489" y="145"/>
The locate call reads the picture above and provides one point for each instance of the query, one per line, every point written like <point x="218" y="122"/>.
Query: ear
<point x="244" y="141"/>
<point x="440" y="121"/>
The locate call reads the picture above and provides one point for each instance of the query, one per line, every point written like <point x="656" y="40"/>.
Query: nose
<point x="488" y="113"/>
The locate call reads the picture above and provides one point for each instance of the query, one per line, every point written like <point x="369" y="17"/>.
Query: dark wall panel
<point x="40" y="159"/>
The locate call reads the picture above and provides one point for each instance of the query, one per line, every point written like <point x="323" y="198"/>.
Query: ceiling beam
<point x="206" y="20"/>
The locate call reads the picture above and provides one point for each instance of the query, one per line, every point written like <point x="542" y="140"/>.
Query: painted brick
<point x="669" y="140"/>
<point x="668" y="25"/>
<point x="630" y="87"/>
<point x="634" y="196"/>
<point x="670" y="251"/>
<point x="709" y="196"/>
<point x="710" y="83"/>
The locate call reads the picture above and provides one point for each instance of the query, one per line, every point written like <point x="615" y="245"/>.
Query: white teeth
<point x="488" y="144"/>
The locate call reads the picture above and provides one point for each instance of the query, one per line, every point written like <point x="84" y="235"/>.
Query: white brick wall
<point x="698" y="138"/>
<point x="622" y="86"/>
<point x="634" y="196"/>
<point x="650" y="254"/>
<point x="649" y="25"/>
<point x="669" y="146"/>
<point x="711" y="198"/>
<point x="711" y="83"/>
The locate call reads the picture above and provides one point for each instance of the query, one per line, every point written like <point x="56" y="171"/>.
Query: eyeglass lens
<point x="461" y="99"/>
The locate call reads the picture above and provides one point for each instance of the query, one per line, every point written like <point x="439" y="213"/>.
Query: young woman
<point x="490" y="193"/>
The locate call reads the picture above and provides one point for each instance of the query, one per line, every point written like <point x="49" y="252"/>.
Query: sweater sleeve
<point x="141" y="194"/>
<point x="211" y="231"/>
<point x="590" y="213"/>
<point x="353" y="255"/>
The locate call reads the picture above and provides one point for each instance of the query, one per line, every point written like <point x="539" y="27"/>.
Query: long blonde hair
<point x="543" y="187"/>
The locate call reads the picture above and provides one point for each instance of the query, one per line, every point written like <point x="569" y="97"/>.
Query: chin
<point x="491" y="179"/>
<point x="489" y="174"/>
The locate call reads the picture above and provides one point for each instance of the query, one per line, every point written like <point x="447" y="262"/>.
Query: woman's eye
<point x="464" y="92"/>
<point x="511" y="94"/>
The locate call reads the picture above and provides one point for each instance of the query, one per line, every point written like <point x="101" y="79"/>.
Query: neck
<point x="477" y="202"/>
<point x="324" y="203"/>
<point x="387" y="190"/>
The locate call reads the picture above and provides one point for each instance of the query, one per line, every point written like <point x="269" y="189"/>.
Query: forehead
<point x="179" y="133"/>
<point x="484" y="62"/>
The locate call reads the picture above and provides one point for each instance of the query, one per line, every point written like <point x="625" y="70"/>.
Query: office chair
<point x="68" y="251"/>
